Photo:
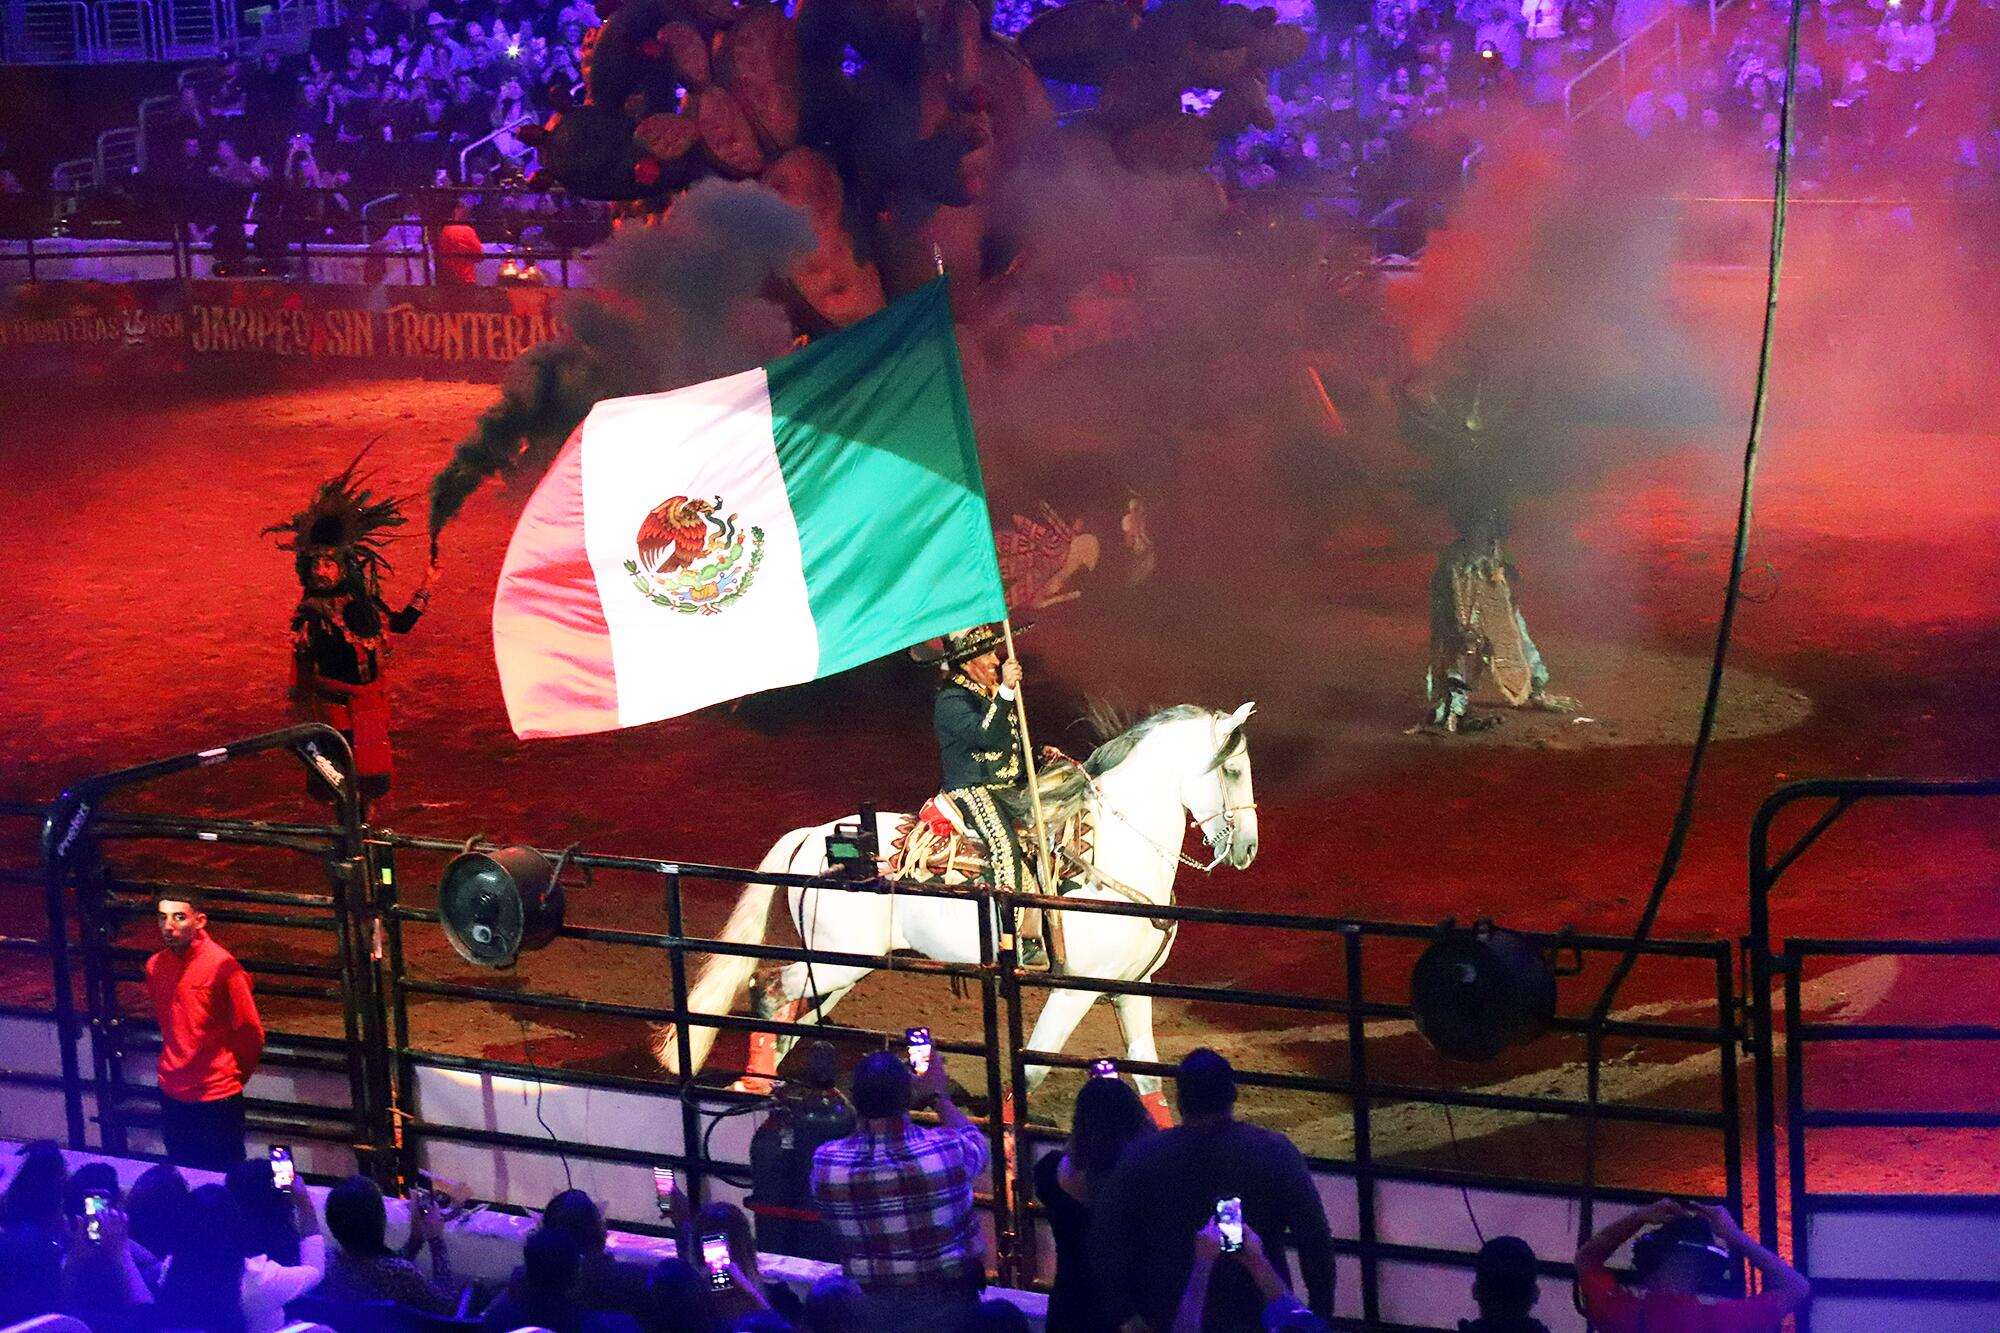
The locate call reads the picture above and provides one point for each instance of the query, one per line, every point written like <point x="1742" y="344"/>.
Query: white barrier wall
<point x="564" y="1113"/>
<point x="1920" y="1238"/>
<point x="1408" y="1213"/>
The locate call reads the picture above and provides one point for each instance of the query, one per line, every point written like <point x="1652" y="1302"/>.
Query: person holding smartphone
<point x="723" y="1244"/>
<point x="94" y="1186"/>
<point x="364" y="1268"/>
<point x="270" y="1217"/>
<point x="899" y="1196"/>
<point x="103" y="1271"/>
<point x="1227" y="1239"/>
<point x="216" y="1276"/>
<point x="1169" y="1186"/>
<point x="1687" y="1252"/>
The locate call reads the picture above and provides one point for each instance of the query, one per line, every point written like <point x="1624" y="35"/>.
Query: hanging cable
<point x="1670" y="858"/>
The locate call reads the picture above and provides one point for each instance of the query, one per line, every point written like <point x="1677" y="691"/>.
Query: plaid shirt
<point x="902" y="1203"/>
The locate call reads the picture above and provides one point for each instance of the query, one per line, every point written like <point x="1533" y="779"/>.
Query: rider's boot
<point x="762" y="1065"/>
<point x="1028" y="946"/>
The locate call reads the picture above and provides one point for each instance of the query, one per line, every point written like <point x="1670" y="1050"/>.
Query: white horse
<point x="1183" y="762"/>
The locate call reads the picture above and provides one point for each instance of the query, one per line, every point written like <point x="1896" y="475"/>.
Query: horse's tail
<point x="722" y="977"/>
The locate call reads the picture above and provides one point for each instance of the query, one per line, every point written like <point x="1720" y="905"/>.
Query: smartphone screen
<point x="1229" y="1221"/>
<point x="715" y="1258"/>
<point x="919" y="1040"/>
<point x="95" y="1205"/>
<point x="282" y="1173"/>
<point x="1103" y="1069"/>
<point x="663" y="1189"/>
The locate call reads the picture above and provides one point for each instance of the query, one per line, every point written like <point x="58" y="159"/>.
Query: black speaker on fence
<point x="1480" y="990"/>
<point x="498" y="902"/>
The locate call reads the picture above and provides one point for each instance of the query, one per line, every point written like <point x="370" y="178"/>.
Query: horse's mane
<point x="1065" y="785"/>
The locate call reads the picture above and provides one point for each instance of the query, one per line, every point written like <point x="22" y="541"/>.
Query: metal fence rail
<point x="46" y="32"/>
<point x="352" y="949"/>
<point x="1897" y="1290"/>
<point x="125" y="30"/>
<point x="82" y="32"/>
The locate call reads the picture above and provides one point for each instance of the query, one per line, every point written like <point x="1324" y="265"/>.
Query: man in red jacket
<point x="210" y="1038"/>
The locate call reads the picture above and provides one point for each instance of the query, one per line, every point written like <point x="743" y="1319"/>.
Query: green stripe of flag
<point x="874" y="438"/>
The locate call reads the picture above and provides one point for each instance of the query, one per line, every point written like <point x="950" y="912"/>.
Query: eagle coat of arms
<point x="694" y="558"/>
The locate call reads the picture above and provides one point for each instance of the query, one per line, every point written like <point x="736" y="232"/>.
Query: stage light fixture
<point x="1478" y="991"/>
<point x="497" y="902"/>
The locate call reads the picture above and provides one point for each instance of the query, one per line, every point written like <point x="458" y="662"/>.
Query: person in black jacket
<point x="1165" y="1190"/>
<point x="1109" y="1118"/>
<point x="980" y="755"/>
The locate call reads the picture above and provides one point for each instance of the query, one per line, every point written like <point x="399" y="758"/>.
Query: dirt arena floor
<point x="148" y="618"/>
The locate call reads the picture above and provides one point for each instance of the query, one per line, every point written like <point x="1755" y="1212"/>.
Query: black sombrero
<point x="962" y="645"/>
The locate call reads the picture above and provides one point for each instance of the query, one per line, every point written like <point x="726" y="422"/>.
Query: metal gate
<point x="89" y="906"/>
<point x="1887" y="1259"/>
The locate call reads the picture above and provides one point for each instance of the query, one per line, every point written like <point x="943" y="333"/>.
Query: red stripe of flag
<point x="550" y="638"/>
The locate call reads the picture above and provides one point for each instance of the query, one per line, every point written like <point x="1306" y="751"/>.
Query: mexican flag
<point x="760" y="530"/>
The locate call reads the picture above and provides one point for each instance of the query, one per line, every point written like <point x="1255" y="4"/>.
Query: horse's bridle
<point x="1222" y="847"/>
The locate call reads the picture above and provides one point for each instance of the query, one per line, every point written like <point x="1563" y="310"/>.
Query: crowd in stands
<point x="1894" y="97"/>
<point x="1380" y="123"/>
<point x="388" y="102"/>
<point x="1175" y="1230"/>
<point x="391" y="98"/>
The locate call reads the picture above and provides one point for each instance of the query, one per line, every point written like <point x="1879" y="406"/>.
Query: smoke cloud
<point x="686" y="300"/>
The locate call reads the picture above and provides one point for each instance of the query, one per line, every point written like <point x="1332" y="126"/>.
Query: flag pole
<point x="1020" y="711"/>
<point x="1028" y="759"/>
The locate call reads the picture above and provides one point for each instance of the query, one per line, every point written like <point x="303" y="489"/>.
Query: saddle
<point x="939" y="845"/>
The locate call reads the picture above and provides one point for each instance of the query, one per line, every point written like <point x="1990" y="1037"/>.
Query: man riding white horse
<point x="980" y="756"/>
<point x="1140" y="792"/>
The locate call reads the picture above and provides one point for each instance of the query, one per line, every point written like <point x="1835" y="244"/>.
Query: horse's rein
<point x="1228" y="842"/>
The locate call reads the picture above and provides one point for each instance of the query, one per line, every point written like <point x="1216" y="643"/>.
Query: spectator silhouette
<point x="545" y="1290"/>
<point x="364" y="1268"/>
<point x="1165" y="1189"/>
<point x="1109" y="1116"/>
<point x="1505" y="1288"/>
<point x="677" y="1300"/>
<point x="602" y="1282"/>
<point x="31" y="1234"/>
<point x="156" y="1208"/>
<point x="540" y="1294"/>
<point x="836" y="1305"/>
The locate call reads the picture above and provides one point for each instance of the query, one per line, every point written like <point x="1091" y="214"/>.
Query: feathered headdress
<point x="346" y="518"/>
<point x="1471" y="424"/>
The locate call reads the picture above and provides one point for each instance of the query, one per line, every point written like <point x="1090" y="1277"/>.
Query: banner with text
<point x="66" y="328"/>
